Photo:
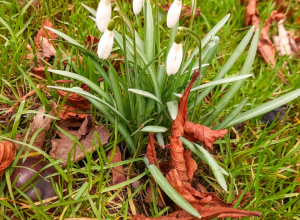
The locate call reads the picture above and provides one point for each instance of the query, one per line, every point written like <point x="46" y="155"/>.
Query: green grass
<point x="261" y="161"/>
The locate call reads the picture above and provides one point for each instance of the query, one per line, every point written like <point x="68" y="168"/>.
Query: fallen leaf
<point x="69" y="111"/>
<point x="149" y="197"/>
<point x="284" y="42"/>
<point x="265" y="46"/>
<point x="83" y="130"/>
<point x="252" y="17"/>
<point x="91" y="42"/>
<point x="39" y="121"/>
<point x="77" y="100"/>
<point x="197" y="132"/>
<point x="41" y="184"/>
<point x="7" y="153"/>
<point x="207" y="204"/>
<point x="117" y="172"/>
<point x="189" y="130"/>
<point x="43" y="34"/>
<point x="151" y="153"/>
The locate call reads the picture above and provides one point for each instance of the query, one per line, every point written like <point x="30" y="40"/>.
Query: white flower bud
<point x="103" y="15"/>
<point x="174" y="58"/>
<point x="137" y="6"/>
<point x="105" y="44"/>
<point x="174" y="13"/>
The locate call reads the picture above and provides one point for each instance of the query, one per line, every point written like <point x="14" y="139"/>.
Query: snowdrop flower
<point x="174" y="13"/>
<point x="137" y="6"/>
<point x="175" y="54"/>
<point x="103" y="15"/>
<point x="106" y="42"/>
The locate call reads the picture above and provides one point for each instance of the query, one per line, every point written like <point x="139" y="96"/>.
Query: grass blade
<point x="264" y="108"/>
<point x="169" y="190"/>
<point x="232" y="115"/>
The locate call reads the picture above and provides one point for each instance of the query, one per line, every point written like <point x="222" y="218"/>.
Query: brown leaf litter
<point x="7" y="154"/>
<point x="265" y="46"/>
<point x="180" y="177"/>
<point x="77" y="101"/>
<point x="39" y="121"/>
<point x="83" y="131"/>
<point x="69" y="111"/>
<point x="117" y="172"/>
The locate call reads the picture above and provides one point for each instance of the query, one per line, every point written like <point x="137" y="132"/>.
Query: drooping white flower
<point x="137" y="6"/>
<point x="175" y="55"/>
<point x="174" y="13"/>
<point x="103" y="15"/>
<point x="106" y="42"/>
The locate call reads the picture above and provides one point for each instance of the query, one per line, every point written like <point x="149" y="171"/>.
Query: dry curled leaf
<point x="77" y="100"/>
<point x="265" y="46"/>
<point x="83" y="130"/>
<point x="151" y="153"/>
<point x="252" y="17"/>
<point x="207" y="204"/>
<point x="7" y="153"/>
<point x="39" y="121"/>
<point x="69" y="111"/>
<point x="44" y="34"/>
<point x="182" y="127"/>
<point x="284" y="42"/>
<point x="117" y="172"/>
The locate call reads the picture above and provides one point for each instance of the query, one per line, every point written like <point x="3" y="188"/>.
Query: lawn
<point x="85" y="128"/>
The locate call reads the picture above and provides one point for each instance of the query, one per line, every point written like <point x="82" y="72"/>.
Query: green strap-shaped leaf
<point x="169" y="190"/>
<point x="154" y="129"/>
<point x="207" y="158"/>
<point x="264" y="108"/>
<point x="173" y="109"/>
<point x="232" y="115"/>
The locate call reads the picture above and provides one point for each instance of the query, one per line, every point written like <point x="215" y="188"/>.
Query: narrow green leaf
<point x="154" y="129"/>
<point x="235" y="87"/>
<point x="149" y="32"/>
<point x="145" y="94"/>
<point x="120" y="185"/>
<point x="232" y="59"/>
<point x="91" y="10"/>
<point x="85" y="80"/>
<point x="207" y="158"/>
<point x="169" y="190"/>
<point x="173" y="109"/>
<point x="89" y="96"/>
<point x="264" y="108"/>
<point x="232" y="115"/>
<point x="64" y="36"/>
<point x="81" y="190"/>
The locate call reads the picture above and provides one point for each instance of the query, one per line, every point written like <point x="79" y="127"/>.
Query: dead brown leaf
<point x="189" y="130"/>
<point x="77" y="100"/>
<point x="39" y="121"/>
<point x="151" y="153"/>
<point x="7" y="153"/>
<point x="117" y="172"/>
<point x="69" y="111"/>
<point x="44" y="34"/>
<point x="83" y="130"/>
<point x="265" y="46"/>
<point x="207" y="204"/>
<point x="252" y="17"/>
<point x="285" y="44"/>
